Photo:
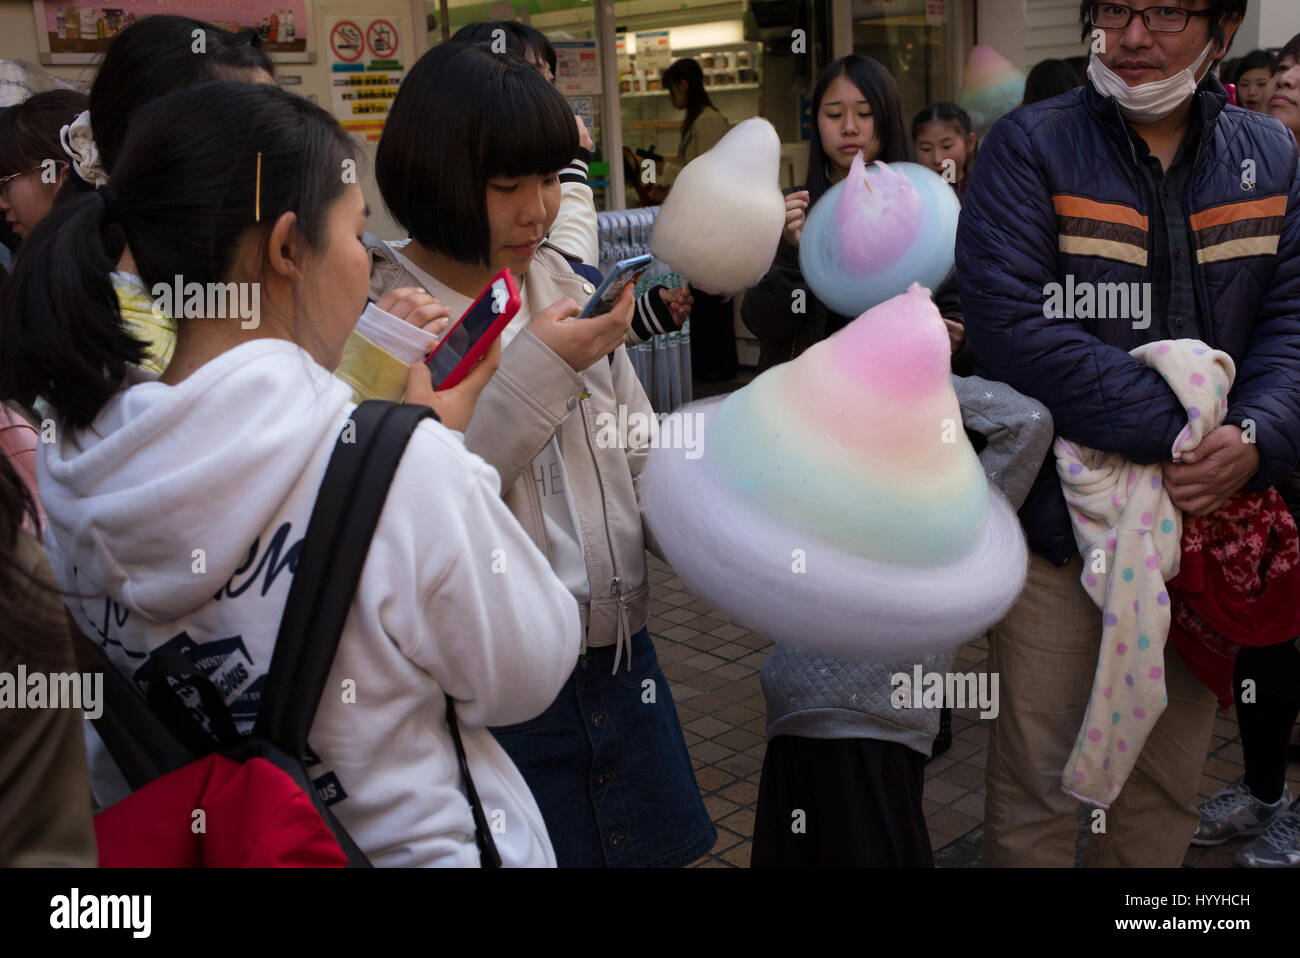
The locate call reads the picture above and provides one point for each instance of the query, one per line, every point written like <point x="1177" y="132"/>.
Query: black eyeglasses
<point x="1116" y="16"/>
<point x="5" y="181"/>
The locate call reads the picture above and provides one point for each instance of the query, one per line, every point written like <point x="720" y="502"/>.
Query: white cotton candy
<point x="723" y="218"/>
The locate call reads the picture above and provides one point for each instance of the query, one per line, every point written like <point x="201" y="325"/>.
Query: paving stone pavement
<point x="713" y="665"/>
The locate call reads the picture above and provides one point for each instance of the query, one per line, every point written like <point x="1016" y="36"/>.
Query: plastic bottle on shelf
<point x="290" y="32"/>
<point x="274" y="28"/>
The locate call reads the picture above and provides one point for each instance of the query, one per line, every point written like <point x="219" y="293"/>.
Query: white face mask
<point x="1147" y="102"/>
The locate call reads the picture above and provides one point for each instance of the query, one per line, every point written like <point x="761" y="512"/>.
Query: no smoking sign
<point x="347" y="42"/>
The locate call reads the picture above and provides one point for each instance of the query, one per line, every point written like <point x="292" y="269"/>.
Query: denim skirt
<point x="609" y="768"/>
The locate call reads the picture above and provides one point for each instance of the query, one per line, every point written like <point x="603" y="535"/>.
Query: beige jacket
<point x="709" y="127"/>
<point x="534" y="395"/>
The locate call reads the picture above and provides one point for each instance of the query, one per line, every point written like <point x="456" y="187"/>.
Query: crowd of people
<point x="159" y="470"/>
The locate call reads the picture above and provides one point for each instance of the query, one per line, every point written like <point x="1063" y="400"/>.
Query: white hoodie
<point x="175" y="522"/>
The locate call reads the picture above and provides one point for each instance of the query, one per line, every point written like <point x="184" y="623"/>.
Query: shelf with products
<point x="709" y="89"/>
<point x="726" y="66"/>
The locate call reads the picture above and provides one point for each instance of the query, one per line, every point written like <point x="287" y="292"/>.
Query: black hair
<point x="946" y="112"/>
<point x="1079" y="65"/>
<point x="1292" y="50"/>
<point x="29" y="131"/>
<point x="183" y="197"/>
<point x="881" y="94"/>
<point x="1049" y="78"/>
<point x="697" y="98"/>
<point x="1254" y="60"/>
<point x="519" y="37"/>
<point x="1220" y="10"/>
<point x="462" y="117"/>
<point x="155" y="56"/>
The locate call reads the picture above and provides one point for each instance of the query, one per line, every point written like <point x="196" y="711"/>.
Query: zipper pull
<point x="616" y="587"/>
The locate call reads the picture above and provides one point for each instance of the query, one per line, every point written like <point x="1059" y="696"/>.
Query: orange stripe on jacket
<point x="1091" y="209"/>
<point x="1241" y="210"/>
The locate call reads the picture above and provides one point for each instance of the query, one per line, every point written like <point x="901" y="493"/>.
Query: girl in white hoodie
<point x="177" y="506"/>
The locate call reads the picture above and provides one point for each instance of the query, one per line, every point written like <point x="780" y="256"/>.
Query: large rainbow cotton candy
<point x="991" y="87"/>
<point x="837" y="504"/>
<point x="877" y="231"/>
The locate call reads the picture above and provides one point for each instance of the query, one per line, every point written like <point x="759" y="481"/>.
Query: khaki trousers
<point x="1045" y="652"/>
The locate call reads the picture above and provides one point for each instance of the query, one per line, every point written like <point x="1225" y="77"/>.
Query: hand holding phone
<point x="465" y="343"/>
<point x="454" y="405"/>
<point x="582" y="343"/>
<point x="624" y="273"/>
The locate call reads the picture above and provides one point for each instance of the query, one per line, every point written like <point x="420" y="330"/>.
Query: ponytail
<point x="203" y="169"/>
<point x="64" y="338"/>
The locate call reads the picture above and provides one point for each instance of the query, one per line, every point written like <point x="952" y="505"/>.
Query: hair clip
<point x="257" y="196"/>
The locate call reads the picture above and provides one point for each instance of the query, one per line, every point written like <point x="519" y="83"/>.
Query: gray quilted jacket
<point x="819" y="696"/>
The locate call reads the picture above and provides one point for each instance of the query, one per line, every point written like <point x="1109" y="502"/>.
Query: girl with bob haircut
<point x="469" y="164"/>
<point x="576" y="227"/>
<point x="221" y="457"/>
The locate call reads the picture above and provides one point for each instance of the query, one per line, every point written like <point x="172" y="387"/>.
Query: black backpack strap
<point x="342" y="524"/>
<point x="488" y="856"/>
<point x="348" y="505"/>
<point x="142" y="746"/>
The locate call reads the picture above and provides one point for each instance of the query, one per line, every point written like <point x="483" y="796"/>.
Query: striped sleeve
<point x="651" y="318"/>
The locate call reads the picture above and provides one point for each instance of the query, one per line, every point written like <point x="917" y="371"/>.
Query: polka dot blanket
<point x="1129" y="533"/>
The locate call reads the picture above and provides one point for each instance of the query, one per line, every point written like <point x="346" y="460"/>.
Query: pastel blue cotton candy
<point x="916" y="240"/>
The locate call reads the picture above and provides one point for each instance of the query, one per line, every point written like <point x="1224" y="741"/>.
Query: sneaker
<point x="1235" y="812"/>
<point x="1277" y="847"/>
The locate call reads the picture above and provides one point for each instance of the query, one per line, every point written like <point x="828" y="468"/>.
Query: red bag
<point x="249" y="815"/>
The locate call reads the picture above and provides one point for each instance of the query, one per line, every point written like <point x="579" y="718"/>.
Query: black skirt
<point x="836" y="803"/>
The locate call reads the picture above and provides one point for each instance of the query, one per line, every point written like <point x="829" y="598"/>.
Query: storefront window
<point x="916" y="41"/>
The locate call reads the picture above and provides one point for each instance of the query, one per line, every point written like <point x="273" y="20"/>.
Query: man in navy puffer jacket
<point x="1123" y="182"/>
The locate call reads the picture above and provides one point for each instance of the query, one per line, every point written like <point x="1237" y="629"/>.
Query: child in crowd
<point x="857" y="107"/>
<point x="839" y="748"/>
<point x="945" y="142"/>
<point x="32" y="163"/>
<point x="469" y="164"/>
<point x="1253" y="75"/>
<point x="177" y="504"/>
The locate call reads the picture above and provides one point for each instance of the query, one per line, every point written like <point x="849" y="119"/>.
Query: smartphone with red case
<point x="464" y="344"/>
